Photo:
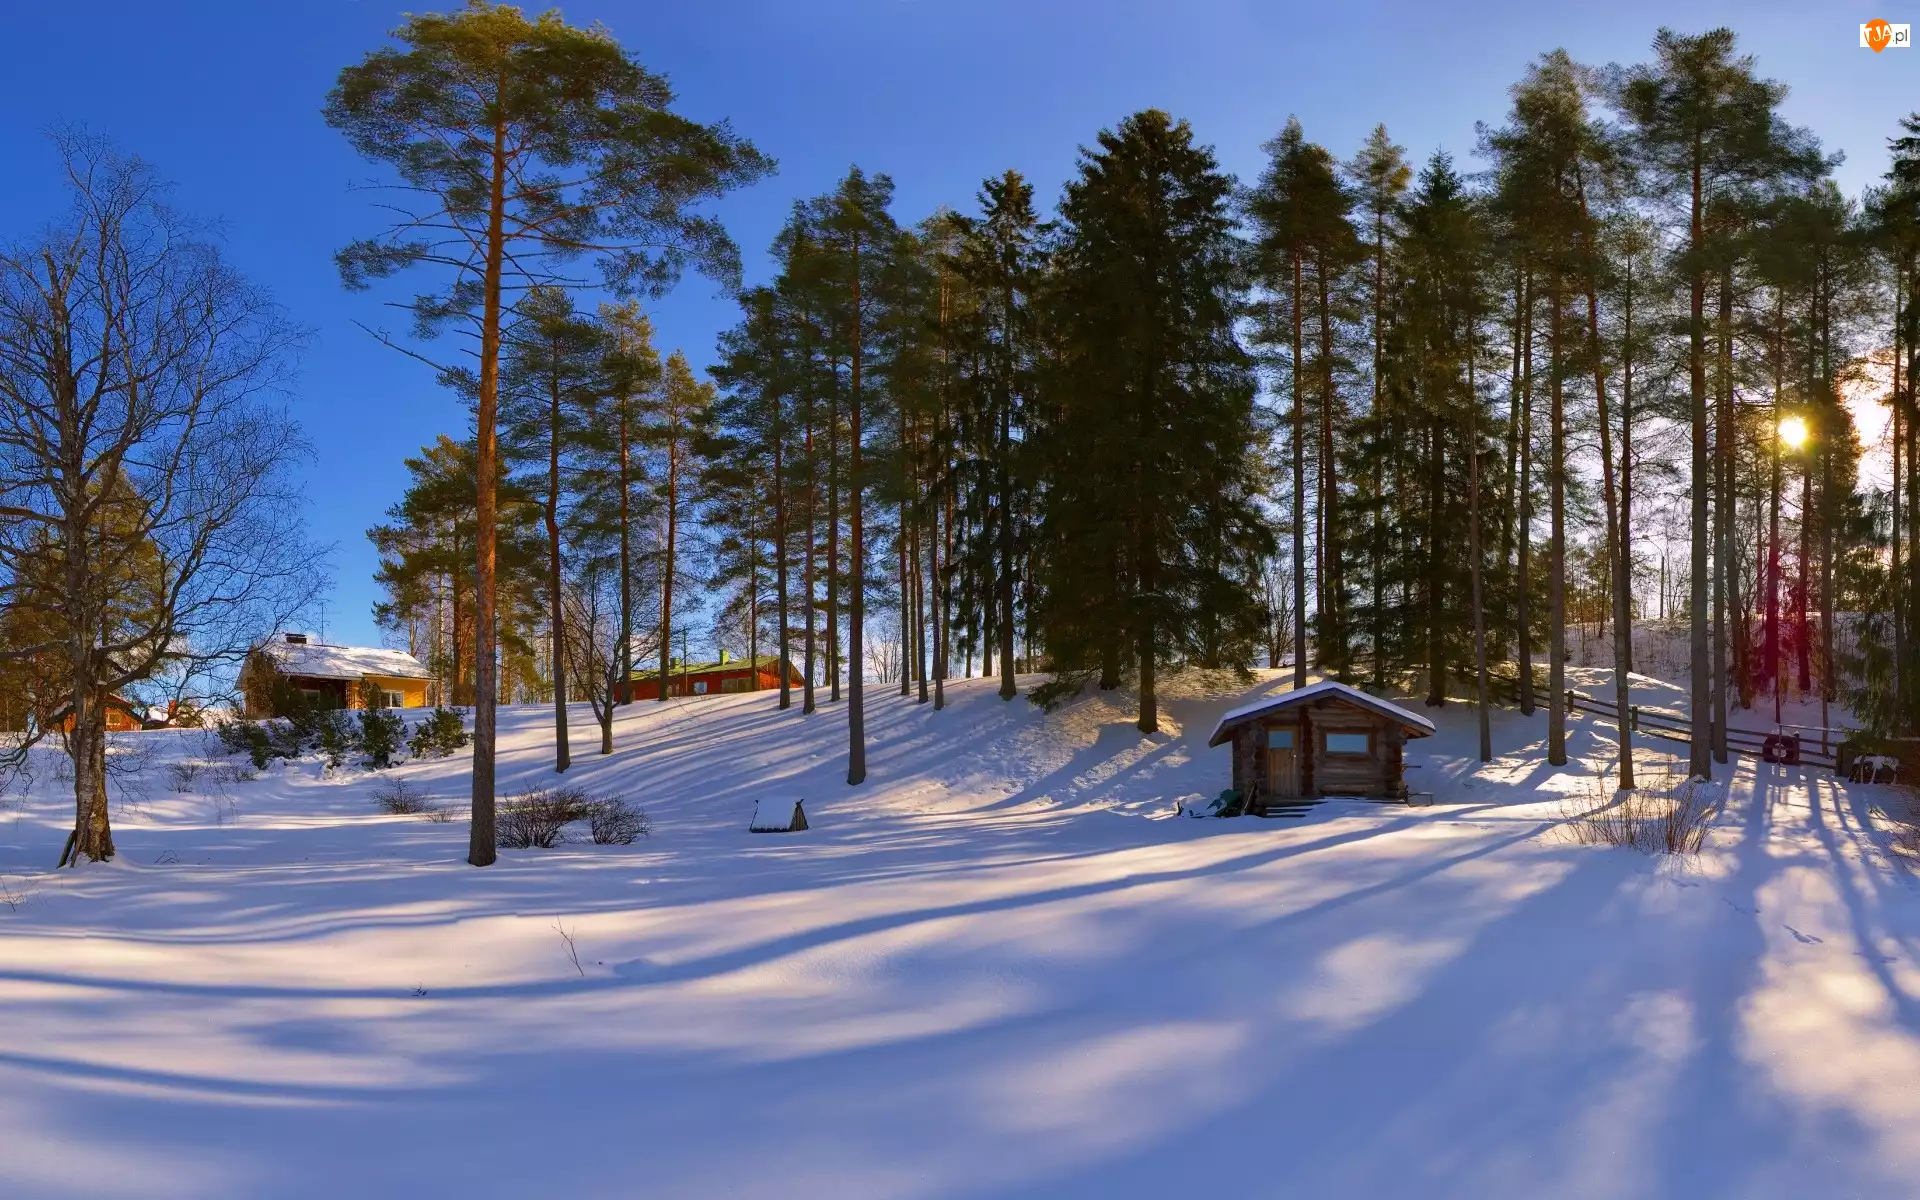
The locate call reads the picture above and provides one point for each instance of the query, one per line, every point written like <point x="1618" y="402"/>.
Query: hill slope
<point x="990" y="971"/>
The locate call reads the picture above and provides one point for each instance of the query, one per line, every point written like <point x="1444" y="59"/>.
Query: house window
<point x="737" y="684"/>
<point x="1349" y="743"/>
<point x="394" y="699"/>
<point x="699" y="687"/>
<point x="1279" y="739"/>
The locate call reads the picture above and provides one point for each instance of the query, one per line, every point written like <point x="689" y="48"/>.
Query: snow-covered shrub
<point x="540" y="817"/>
<point x="440" y="734"/>
<point x="615" y="822"/>
<point x="401" y="798"/>
<point x="182" y="775"/>
<point x="1670" y="820"/>
<point x="380" y="735"/>
<point x="439" y="814"/>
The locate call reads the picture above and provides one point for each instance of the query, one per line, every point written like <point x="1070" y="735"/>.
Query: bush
<point x="337" y="738"/>
<point x="181" y="776"/>
<point x="440" y="734"/>
<point x="1671" y="820"/>
<point x="615" y="822"/>
<point x="401" y="798"/>
<point x="262" y="742"/>
<point x="540" y="817"/>
<point x="380" y="734"/>
<point x="234" y="736"/>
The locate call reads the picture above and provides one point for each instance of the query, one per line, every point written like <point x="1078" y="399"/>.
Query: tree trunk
<point x="1557" y="535"/>
<point x="781" y="566"/>
<point x="1700" y="758"/>
<point x="556" y="623"/>
<point x="669" y="561"/>
<point x="624" y="655"/>
<point x="1776" y="667"/>
<point x="856" y="560"/>
<point x="481" y="849"/>
<point x="1894" y="499"/>
<point x="1436" y="562"/>
<point x="1722" y="520"/>
<point x="811" y="607"/>
<point x="833" y="538"/>
<point x="1332" y="647"/>
<point x="1474" y="557"/>
<point x="1299" y="495"/>
<point x="1523" y="603"/>
<point x="1619" y="553"/>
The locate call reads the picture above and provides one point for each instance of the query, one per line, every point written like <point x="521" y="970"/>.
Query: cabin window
<point x="1349" y="743"/>
<point x="738" y="684"/>
<point x="699" y="687"/>
<point x="1279" y="739"/>
<point x="395" y="699"/>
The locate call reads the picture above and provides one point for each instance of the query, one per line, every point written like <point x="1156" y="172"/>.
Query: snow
<point x="1325" y="687"/>
<point x="992" y="970"/>
<point x="314" y="660"/>
<point x="774" y="814"/>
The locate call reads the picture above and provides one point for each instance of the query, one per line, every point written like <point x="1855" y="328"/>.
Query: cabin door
<point x="1283" y="764"/>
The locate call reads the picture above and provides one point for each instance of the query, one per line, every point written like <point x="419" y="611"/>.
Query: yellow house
<point x="339" y="673"/>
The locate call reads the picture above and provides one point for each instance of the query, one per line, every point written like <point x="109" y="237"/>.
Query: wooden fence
<point x="1666" y="726"/>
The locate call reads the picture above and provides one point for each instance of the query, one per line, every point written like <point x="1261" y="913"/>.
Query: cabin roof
<point x="1415" y="724"/>
<point x="315" y="660"/>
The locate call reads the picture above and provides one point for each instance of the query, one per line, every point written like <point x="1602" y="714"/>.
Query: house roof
<point x="1412" y="722"/>
<point x="765" y="662"/>
<point x="318" y="661"/>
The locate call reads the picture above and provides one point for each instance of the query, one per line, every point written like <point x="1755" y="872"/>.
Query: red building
<point x="713" y="678"/>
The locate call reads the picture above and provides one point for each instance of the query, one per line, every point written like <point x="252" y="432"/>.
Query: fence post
<point x="1633" y="718"/>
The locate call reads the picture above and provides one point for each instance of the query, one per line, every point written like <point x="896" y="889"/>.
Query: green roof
<point x="766" y="662"/>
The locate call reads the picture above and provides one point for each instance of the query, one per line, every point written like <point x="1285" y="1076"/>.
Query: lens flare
<point x="1793" y="433"/>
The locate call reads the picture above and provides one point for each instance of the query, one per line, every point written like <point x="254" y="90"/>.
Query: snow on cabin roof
<point x="1414" y="723"/>
<point x="314" y="660"/>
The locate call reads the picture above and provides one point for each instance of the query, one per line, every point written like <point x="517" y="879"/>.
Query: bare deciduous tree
<point x="148" y="523"/>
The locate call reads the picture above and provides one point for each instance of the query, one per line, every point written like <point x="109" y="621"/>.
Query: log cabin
<point x="335" y="676"/>
<point x="1326" y="739"/>
<point x="725" y="676"/>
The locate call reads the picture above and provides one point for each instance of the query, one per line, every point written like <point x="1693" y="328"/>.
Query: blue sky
<point x="224" y="97"/>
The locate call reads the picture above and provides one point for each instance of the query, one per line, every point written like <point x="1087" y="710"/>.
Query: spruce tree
<point x="1156" y="393"/>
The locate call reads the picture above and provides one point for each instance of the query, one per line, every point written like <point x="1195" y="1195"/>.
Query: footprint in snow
<point x="1882" y="959"/>
<point x="1741" y="908"/>
<point x="1805" y="939"/>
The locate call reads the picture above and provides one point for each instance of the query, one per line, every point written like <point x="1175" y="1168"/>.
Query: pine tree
<point x="551" y="386"/>
<point x="1299" y="213"/>
<point x="677" y="424"/>
<point x="1378" y="177"/>
<point x="1702" y="120"/>
<point x="528" y="144"/>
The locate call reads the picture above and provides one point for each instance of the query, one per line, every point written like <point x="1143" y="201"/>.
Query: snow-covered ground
<point x="996" y="969"/>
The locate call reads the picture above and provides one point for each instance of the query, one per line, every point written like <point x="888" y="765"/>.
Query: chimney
<point x="296" y="639"/>
<point x="723" y="658"/>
